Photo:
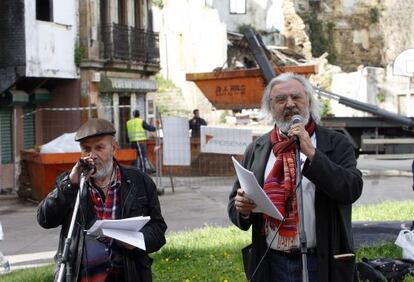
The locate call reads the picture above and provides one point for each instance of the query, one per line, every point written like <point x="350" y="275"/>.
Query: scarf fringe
<point x="285" y="243"/>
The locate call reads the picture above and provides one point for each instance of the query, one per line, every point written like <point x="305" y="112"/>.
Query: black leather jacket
<point x="138" y="198"/>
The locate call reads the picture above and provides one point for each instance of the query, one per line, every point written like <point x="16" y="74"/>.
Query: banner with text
<point x="219" y="140"/>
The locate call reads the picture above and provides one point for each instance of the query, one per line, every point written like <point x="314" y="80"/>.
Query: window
<point x="6" y="141"/>
<point x="104" y="12"/>
<point x="122" y="12"/>
<point x="137" y="13"/>
<point x="402" y="103"/>
<point x="44" y="10"/>
<point x="28" y="128"/>
<point x="237" y="6"/>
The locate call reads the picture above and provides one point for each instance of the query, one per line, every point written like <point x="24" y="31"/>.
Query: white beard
<point x="284" y="126"/>
<point x="104" y="170"/>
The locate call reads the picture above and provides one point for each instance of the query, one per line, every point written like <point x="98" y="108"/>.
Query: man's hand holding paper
<point x="251" y="197"/>
<point x="243" y="204"/>
<point x="124" y="230"/>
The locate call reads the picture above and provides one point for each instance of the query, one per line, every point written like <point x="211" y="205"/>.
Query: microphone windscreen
<point x="296" y="119"/>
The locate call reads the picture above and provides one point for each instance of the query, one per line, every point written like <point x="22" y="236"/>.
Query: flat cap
<point x="95" y="127"/>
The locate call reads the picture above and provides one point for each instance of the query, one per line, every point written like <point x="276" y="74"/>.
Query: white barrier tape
<point x="74" y="109"/>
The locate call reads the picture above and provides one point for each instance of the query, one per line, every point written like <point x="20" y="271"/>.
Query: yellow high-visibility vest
<point x="136" y="131"/>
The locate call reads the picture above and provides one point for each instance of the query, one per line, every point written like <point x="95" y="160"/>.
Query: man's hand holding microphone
<point x="85" y="166"/>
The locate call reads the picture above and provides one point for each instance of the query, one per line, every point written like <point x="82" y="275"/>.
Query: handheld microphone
<point x="296" y="119"/>
<point x="86" y="167"/>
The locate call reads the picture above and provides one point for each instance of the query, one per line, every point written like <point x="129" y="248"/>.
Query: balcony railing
<point x="127" y="43"/>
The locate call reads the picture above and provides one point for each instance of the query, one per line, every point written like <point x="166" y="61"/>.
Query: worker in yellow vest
<point x="136" y="128"/>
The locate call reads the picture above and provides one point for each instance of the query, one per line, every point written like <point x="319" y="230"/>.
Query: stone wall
<point x="350" y="31"/>
<point x="295" y="30"/>
<point x="396" y="25"/>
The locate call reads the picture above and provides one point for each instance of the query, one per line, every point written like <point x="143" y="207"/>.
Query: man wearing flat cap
<point x="111" y="191"/>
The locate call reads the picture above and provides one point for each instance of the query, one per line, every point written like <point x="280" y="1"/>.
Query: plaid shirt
<point x="106" y="208"/>
<point x="99" y="259"/>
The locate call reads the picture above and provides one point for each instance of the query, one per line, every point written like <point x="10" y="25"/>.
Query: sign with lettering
<point x="139" y="85"/>
<point x="231" y="90"/>
<point x="229" y="141"/>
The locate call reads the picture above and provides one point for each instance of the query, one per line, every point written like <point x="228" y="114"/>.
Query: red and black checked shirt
<point x="99" y="260"/>
<point x="106" y="208"/>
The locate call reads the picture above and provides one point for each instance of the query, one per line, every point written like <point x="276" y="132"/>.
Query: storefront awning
<point x="40" y="95"/>
<point x="14" y="98"/>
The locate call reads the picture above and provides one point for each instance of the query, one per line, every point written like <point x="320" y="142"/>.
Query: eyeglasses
<point x="282" y="98"/>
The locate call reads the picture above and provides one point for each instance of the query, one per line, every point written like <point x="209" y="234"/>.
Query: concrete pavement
<point x="198" y="202"/>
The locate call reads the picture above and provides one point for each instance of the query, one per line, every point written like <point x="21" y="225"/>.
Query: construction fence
<point x="174" y="158"/>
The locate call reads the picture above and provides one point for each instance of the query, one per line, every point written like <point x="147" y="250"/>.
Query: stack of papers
<point x="125" y="230"/>
<point x="253" y="191"/>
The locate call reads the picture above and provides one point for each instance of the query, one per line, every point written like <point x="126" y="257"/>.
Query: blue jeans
<point x="286" y="269"/>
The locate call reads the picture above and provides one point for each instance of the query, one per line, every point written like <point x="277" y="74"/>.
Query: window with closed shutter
<point x="28" y="128"/>
<point x="6" y="140"/>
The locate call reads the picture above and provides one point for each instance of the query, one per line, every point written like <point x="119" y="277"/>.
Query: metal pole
<point x="158" y="152"/>
<point x="65" y="255"/>
<point x="1" y="160"/>
<point x="302" y="232"/>
<point x="158" y="161"/>
<point x="16" y="164"/>
<point x="258" y="49"/>
<point x="408" y="99"/>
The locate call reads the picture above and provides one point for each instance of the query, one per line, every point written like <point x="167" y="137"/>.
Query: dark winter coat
<point x="138" y="198"/>
<point x="338" y="184"/>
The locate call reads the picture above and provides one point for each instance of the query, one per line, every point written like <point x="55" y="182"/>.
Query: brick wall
<point x="12" y="43"/>
<point x="65" y="94"/>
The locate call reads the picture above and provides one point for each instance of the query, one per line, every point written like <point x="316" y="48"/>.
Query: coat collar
<point x="263" y="145"/>
<point x="262" y="148"/>
<point x="323" y="139"/>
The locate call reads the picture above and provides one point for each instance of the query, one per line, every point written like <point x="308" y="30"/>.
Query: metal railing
<point x="123" y="42"/>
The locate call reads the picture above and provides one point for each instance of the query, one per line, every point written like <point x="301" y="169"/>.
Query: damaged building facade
<point x="64" y="62"/>
<point x="355" y="37"/>
<point x="120" y="56"/>
<point x="37" y="71"/>
<point x="364" y="38"/>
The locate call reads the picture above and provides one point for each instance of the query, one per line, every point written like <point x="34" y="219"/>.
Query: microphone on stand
<point x="302" y="233"/>
<point x="65" y="269"/>
<point x="296" y="119"/>
<point x="86" y="167"/>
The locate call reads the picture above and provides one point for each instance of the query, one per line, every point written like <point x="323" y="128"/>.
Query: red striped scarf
<point x="280" y="185"/>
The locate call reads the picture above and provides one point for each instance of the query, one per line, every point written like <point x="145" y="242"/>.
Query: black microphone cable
<point x="287" y="209"/>
<point x="288" y="206"/>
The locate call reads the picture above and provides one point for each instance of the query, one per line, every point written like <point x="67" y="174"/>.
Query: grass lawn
<point x="213" y="253"/>
<point x="385" y="211"/>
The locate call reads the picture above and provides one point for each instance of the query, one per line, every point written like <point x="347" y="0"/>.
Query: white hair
<point x="314" y="105"/>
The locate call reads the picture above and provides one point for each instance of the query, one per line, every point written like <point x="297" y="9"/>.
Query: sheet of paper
<point x="130" y="237"/>
<point x="252" y="189"/>
<point x="125" y="230"/>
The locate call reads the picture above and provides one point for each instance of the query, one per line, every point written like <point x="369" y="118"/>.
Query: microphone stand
<point x="65" y="255"/>
<point x="302" y="233"/>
